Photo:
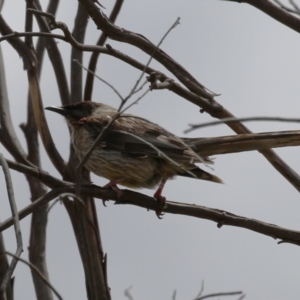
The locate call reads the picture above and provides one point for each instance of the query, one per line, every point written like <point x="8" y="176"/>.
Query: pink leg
<point x="113" y="185"/>
<point x="160" y="199"/>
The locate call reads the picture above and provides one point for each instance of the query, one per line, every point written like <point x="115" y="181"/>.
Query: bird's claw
<point x="159" y="214"/>
<point x="161" y="202"/>
<point x="104" y="202"/>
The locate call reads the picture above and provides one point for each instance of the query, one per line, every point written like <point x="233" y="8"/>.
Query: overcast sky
<point x="253" y="62"/>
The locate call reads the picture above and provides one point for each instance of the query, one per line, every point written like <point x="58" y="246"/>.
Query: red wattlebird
<point x="133" y="151"/>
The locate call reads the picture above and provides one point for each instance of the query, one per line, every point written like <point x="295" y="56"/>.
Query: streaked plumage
<point x="128" y="152"/>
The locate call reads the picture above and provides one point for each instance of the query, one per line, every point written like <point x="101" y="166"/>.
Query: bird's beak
<point x="58" y="109"/>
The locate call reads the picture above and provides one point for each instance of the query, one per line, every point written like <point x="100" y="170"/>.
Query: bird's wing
<point x="139" y="137"/>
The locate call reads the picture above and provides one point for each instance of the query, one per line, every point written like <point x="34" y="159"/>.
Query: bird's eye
<point x="82" y="120"/>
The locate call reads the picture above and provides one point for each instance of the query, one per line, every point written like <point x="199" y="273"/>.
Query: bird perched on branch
<point x="132" y="151"/>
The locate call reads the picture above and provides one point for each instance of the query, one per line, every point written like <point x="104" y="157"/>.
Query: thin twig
<point x="201" y="290"/>
<point x="174" y="295"/>
<point x="14" y="210"/>
<point x="53" y="204"/>
<point x="149" y="61"/>
<point x="219" y="294"/>
<point x="39" y="34"/>
<point x="296" y="7"/>
<point x="242" y="297"/>
<point x="286" y="7"/>
<point x="127" y="293"/>
<point x="246" y="119"/>
<point x="89" y="82"/>
<point x="7" y="127"/>
<point x="37" y="271"/>
<point x="88" y="48"/>
<point x="98" y="77"/>
<point x="135" y="102"/>
<point x="33" y="206"/>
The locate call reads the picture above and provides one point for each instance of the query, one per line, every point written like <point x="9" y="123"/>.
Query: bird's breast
<point x="132" y="171"/>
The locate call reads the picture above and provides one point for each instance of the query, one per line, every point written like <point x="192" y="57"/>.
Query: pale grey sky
<point x="234" y="50"/>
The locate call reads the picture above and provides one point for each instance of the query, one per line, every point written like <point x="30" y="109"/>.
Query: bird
<point x="132" y="151"/>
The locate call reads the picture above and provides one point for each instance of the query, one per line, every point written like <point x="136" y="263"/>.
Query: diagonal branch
<point x="28" y="57"/>
<point x="54" y="56"/>
<point x="30" y="64"/>
<point x="15" y="217"/>
<point x="4" y="265"/>
<point x="37" y="271"/>
<point x="42" y="125"/>
<point x="221" y="217"/>
<point x="275" y="12"/>
<point x="137" y="40"/>
<point x="137" y="199"/>
<point x="89" y="83"/>
<point x="39" y="219"/>
<point x="33" y="206"/>
<point x="7" y="128"/>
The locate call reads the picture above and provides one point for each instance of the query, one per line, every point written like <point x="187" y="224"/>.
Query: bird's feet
<point x="161" y="201"/>
<point x="113" y="185"/>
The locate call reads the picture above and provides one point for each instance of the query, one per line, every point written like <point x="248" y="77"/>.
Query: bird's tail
<point x="200" y="174"/>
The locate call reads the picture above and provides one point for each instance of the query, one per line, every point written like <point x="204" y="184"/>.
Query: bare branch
<point x="201" y="290"/>
<point x="127" y="293"/>
<point x="123" y="35"/>
<point x="43" y="176"/>
<point x="30" y="65"/>
<point x="221" y="217"/>
<point x="39" y="34"/>
<point x="246" y="119"/>
<point x="5" y="116"/>
<point x="296" y="7"/>
<point x="80" y="25"/>
<point x="36" y="270"/>
<point x="101" y="79"/>
<point x="14" y="210"/>
<point x="288" y="9"/>
<point x="33" y="206"/>
<point x="275" y="12"/>
<point x="4" y="265"/>
<point x="39" y="220"/>
<point x="109" y="50"/>
<point x="28" y="57"/>
<point x="243" y="142"/>
<point x="42" y="124"/>
<point x="219" y="295"/>
<point x="89" y="83"/>
<point x="174" y="295"/>
<point x="13" y="150"/>
<point x="54" y="55"/>
<point x="135" y="87"/>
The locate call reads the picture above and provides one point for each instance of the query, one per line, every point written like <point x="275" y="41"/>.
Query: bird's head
<point x="74" y="113"/>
